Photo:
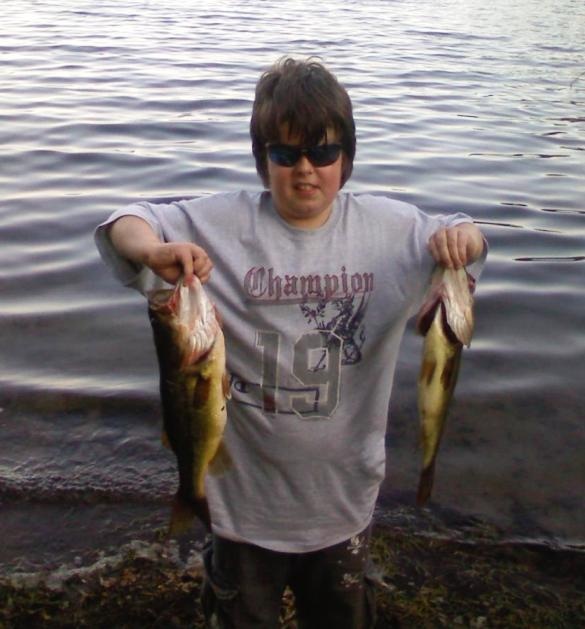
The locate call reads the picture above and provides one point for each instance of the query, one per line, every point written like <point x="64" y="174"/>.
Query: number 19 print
<point x="311" y="392"/>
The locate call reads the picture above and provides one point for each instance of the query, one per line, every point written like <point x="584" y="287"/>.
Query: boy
<point x="314" y="287"/>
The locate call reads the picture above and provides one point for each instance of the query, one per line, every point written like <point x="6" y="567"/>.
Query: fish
<point x="194" y="387"/>
<point x="446" y="321"/>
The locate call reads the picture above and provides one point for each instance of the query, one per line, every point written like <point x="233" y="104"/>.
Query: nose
<point x="304" y="165"/>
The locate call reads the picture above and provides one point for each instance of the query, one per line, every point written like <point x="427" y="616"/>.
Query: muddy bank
<point x="424" y="581"/>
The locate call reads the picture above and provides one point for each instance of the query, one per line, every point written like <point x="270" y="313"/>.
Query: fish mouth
<point x="451" y="291"/>
<point x="196" y="319"/>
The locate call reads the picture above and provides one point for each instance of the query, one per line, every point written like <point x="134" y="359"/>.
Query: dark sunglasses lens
<point x="284" y="155"/>
<point x="321" y="155"/>
<point x="324" y="154"/>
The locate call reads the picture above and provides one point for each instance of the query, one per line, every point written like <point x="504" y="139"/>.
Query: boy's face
<point x="303" y="194"/>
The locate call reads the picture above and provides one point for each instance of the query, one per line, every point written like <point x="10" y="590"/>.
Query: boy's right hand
<point x="135" y="240"/>
<point x="172" y="260"/>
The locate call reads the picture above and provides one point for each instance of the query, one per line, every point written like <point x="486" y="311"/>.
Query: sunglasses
<point x="319" y="155"/>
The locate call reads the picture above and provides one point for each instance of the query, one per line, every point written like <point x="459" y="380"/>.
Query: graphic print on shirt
<point x="305" y="379"/>
<point x="341" y="317"/>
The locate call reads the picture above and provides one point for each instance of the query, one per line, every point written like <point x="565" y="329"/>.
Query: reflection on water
<point x="459" y="106"/>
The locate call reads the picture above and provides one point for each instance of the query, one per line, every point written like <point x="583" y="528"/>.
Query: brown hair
<point x="306" y="97"/>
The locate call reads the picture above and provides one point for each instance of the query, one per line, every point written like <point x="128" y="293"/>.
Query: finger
<point x="464" y="249"/>
<point x="204" y="277"/>
<point x="440" y="248"/>
<point x="202" y="267"/>
<point x="434" y="249"/>
<point x="454" y="238"/>
<point x="185" y="262"/>
<point x="164" y="262"/>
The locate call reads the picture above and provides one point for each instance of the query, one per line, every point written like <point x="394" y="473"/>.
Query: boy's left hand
<point x="457" y="246"/>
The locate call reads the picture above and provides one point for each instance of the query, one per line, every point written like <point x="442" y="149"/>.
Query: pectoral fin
<point x="221" y="462"/>
<point x="183" y="513"/>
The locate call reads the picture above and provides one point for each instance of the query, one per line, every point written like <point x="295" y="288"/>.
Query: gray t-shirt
<point x="313" y="321"/>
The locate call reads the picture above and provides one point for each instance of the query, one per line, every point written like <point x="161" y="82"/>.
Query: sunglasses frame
<point x="296" y="152"/>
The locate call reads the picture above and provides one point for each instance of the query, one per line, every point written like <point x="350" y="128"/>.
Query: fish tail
<point x="425" y="484"/>
<point x="184" y="512"/>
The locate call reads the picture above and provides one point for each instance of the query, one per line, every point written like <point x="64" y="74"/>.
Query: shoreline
<point x="423" y="581"/>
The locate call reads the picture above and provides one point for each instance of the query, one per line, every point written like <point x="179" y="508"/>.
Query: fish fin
<point x="225" y="382"/>
<point x="164" y="438"/>
<point x="183" y="513"/>
<point x="425" y="484"/>
<point x="221" y="462"/>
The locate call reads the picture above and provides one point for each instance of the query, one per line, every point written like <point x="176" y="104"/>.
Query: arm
<point x="135" y="240"/>
<point x="457" y="246"/>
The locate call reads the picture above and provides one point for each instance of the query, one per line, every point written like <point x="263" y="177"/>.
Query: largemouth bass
<point x="193" y="386"/>
<point x="446" y="322"/>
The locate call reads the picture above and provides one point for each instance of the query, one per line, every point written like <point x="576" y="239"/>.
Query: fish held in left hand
<point x="194" y="386"/>
<point x="446" y="321"/>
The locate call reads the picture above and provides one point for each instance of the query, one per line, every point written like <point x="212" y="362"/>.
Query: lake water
<point x="459" y="104"/>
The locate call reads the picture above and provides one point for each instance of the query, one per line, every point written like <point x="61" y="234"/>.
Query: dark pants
<point x="245" y="584"/>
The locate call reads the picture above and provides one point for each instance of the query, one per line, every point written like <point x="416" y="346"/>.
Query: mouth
<point x="305" y="187"/>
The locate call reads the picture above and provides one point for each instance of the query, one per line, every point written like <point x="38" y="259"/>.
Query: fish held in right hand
<point x="194" y="386"/>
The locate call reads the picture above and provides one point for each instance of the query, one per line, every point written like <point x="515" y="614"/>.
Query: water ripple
<point x="460" y="105"/>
